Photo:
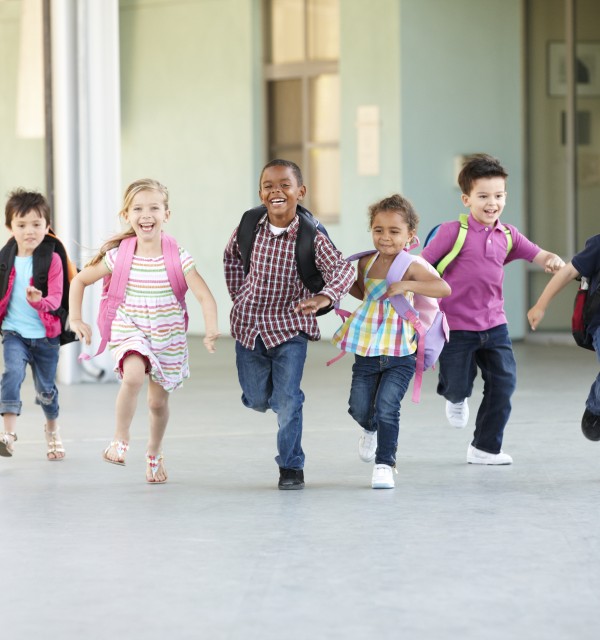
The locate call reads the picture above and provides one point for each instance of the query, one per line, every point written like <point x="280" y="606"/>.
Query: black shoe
<point x="590" y="425"/>
<point x="291" y="479"/>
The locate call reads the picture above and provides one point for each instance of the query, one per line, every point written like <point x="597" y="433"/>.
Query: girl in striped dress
<point x="383" y="343"/>
<point x="148" y="332"/>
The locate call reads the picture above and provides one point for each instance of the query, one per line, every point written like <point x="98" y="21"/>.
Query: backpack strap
<point x="117" y="283"/>
<point x="463" y="219"/>
<point x="305" y="251"/>
<point x="170" y="250"/>
<point x="7" y="260"/>
<point x="246" y="233"/>
<point x="42" y="259"/>
<point x="406" y="311"/>
<point x="458" y="243"/>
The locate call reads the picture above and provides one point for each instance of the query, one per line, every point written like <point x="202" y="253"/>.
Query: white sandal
<point x="55" y="446"/>
<point x="7" y="444"/>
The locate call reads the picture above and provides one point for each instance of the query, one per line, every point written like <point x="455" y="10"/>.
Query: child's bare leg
<point x="158" y="404"/>
<point x="10" y="422"/>
<point x="134" y="373"/>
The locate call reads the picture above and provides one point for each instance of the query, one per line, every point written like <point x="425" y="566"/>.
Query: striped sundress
<point x="150" y="320"/>
<point x="374" y="328"/>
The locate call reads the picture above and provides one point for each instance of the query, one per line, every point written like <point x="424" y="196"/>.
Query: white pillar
<point x="87" y="152"/>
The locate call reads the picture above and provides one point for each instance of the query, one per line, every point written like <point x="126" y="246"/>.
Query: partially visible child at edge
<point x="148" y="333"/>
<point x="587" y="264"/>
<point x="30" y="333"/>
<point x="273" y="314"/>
<point x="475" y="311"/>
<point x="383" y="343"/>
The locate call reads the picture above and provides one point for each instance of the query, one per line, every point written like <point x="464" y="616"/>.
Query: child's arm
<point x="55" y="289"/>
<point x="357" y="290"/>
<point x="549" y="262"/>
<point x="418" y="279"/>
<point x="234" y="268"/>
<point x="87" y="276"/>
<point x="209" y="307"/>
<point x="558" y="282"/>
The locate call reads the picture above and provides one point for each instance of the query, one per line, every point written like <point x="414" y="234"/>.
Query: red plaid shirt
<point x="264" y="301"/>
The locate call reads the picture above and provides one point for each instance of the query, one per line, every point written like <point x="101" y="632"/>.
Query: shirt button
<point x="486" y="229"/>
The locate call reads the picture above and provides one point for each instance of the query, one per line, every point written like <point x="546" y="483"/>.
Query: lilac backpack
<point x="425" y="316"/>
<point x="114" y="285"/>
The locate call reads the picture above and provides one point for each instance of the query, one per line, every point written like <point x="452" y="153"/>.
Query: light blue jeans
<point x="42" y="355"/>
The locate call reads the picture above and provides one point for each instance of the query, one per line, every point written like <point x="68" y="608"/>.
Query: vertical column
<point x="86" y="133"/>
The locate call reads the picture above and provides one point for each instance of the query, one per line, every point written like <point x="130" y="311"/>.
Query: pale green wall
<point x="462" y="93"/>
<point x="189" y="119"/>
<point x="22" y="162"/>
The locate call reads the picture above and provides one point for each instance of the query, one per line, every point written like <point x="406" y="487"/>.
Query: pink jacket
<point x="45" y="305"/>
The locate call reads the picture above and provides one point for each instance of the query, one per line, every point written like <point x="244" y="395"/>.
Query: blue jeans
<point x="593" y="400"/>
<point x="42" y="355"/>
<point x="378" y="386"/>
<point x="270" y="379"/>
<point x="492" y="352"/>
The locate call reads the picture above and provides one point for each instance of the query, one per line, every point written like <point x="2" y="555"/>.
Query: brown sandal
<point x="7" y="447"/>
<point x="56" y="450"/>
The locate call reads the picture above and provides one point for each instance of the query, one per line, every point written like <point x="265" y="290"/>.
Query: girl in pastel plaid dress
<point x="384" y="344"/>
<point x="147" y="336"/>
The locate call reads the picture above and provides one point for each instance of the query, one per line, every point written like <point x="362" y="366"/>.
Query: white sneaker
<point x="476" y="456"/>
<point x="367" y="445"/>
<point x="383" y="477"/>
<point x="457" y="413"/>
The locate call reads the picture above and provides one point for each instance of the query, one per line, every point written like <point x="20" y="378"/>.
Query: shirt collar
<point x="292" y="230"/>
<point x="478" y="226"/>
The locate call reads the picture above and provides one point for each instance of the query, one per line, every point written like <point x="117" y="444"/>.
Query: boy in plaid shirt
<point x="273" y="314"/>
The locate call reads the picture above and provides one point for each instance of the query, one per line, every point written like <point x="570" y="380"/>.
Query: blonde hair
<point x="145" y="184"/>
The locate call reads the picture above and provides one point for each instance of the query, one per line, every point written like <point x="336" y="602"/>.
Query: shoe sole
<point x="382" y="486"/>
<point x="291" y="487"/>
<point x="369" y="459"/>
<point x="489" y="464"/>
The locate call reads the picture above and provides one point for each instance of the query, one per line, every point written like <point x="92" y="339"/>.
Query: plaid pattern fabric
<point x="264" y="301"/>
<point x="374" y="328"/>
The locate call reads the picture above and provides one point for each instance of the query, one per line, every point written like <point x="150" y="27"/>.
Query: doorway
<point x="563" y="124"/>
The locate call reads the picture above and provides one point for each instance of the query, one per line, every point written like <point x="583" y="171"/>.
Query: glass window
<point x="303" y="95"/>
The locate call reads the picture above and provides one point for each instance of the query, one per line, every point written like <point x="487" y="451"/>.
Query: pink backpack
<point x="425" y="316"/>
<point x="114" y="284"/>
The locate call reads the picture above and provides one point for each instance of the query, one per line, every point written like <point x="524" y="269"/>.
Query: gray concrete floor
<point x="90" y="551"/>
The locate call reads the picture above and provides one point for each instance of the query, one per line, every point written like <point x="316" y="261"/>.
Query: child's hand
<point x="310" y="306"/>
<point x="82" y="330"/>
<point x="209" y="341"/>
<point x="553" y="263"/>
<point x="398" y="288"/>
<point x="32" y="294"/>
<point x="535" y="315"/>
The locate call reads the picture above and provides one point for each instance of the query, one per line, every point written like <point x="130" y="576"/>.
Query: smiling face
<point x="280" y="192"/>
<point x="146" y="214"/>
<point x="390" y="232"/>
<point x="29" y="231"/>
<point x="486" y="199"/>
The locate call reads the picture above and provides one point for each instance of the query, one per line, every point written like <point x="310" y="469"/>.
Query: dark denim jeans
<point x="492" y="352"/>
<point x="593" y="400"/>
<point x="42" y="355"/>
<point x="378" y="386"/>
<point x="270" y="379"/>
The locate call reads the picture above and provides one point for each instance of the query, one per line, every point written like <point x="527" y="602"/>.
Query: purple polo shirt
<point x="477" y="273"/>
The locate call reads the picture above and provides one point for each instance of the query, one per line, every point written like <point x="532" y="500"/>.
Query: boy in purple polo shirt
<point x="475" y="309"/>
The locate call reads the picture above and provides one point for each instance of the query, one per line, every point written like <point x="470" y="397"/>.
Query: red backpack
<point x="114" y="285"/>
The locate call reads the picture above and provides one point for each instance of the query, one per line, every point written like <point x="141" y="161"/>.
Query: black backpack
<point x="305" y="246"/>
<point x="42" y="258"/>
<point x="587" y="305"/>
